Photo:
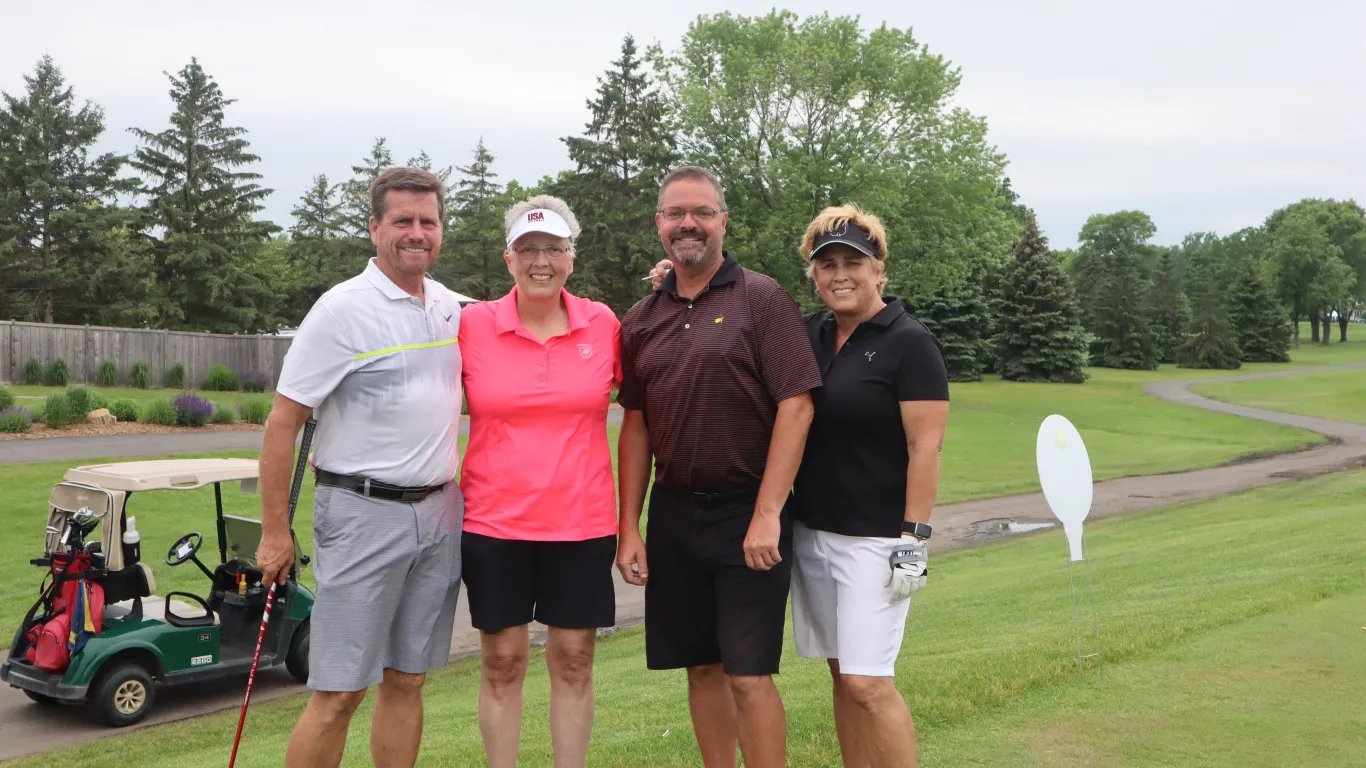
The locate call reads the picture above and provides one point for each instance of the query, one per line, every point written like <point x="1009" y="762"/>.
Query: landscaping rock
<point x="101" y="416"/>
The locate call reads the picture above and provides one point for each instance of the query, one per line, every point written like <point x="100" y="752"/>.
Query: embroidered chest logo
<point x="869" y="355"/>
<point x="585" y="351"/>
<point x="719" y="320"/>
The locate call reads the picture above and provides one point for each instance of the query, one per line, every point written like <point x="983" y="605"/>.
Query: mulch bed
<point x="37" y="430"/>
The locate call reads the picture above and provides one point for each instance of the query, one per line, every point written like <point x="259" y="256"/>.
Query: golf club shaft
<point x="299" y="467"/>
<point x="251" y="677"/>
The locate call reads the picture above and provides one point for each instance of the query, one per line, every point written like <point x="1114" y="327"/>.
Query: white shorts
<point x="840" y="608"/>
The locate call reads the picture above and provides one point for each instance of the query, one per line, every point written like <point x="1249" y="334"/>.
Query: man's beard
<point x="691" y="257"/>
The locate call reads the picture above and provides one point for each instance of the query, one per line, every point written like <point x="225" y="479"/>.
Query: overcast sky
<point x="1206" y="115"/>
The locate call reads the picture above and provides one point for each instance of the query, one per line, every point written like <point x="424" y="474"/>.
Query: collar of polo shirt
<point x="729" y="272"/>
<point x="893" y="309"/>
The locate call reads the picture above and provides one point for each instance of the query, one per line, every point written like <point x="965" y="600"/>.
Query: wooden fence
<point x="86" y="347"/>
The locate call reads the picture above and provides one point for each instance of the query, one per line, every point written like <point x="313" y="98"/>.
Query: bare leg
<point x="569" y="657"/>
<point x="500" y="694"/>
<point x="713" y="715"/>
<point x="396" y="732"/>
<point x="852" y="748"/>
<point x="884" y="722"/>
<point x="319" y="737"/>
<point x="762" y="721"/>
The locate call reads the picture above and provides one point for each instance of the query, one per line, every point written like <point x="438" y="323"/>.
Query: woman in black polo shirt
<point x="867" y="483"/>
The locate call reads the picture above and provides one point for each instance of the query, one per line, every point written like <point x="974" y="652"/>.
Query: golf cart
<point x="100" y="635"/>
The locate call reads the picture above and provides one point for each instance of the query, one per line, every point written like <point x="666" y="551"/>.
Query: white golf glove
<point x="909" y="569"/>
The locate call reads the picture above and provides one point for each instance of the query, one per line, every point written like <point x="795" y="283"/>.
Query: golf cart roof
<point x="164" y="474"/>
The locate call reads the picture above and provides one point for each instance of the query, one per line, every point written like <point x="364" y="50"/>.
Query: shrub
<point x="124" y="410"/>
<point x="255" y="381"/>
<point x="220" y="379"/>
<point x="222" y="415"/>
<point x="15" y="420"/>
<point x="58" y="375"/>
<point x="109" y="374"/>
<point x="79" y="397"/>
<point x="141" y="375"/>
<point x="255" y="409"/>
<point x="6" y="398"/>
<point x="33" y="372"/>
<point x="98" y="400"/>
<point x="192" y="410"/>
<point x="175" y="376"/>
<point x="160" y="412"/>
<point x="57" y="411"/>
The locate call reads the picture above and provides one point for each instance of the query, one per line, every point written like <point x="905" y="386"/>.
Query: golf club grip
<point x="301" y="466"/>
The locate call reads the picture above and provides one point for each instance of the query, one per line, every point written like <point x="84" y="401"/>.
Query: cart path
<point x="27" y="728"/>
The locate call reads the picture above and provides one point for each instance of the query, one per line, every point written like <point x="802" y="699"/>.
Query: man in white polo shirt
<point x="377" y="360"/>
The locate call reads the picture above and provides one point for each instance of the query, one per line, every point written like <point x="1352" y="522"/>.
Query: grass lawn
<point x="33" y="396"/>
<point x="1228" y="628"/>
<point x="1337" y="395"/>
<point x="989" y="451"/>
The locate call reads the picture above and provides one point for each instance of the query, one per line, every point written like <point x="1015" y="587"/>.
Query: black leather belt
<point x="708" y="500"/>
<point x="375" y="489"/>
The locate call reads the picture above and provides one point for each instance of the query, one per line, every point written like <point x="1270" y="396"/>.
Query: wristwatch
<point x="919" y="530"/>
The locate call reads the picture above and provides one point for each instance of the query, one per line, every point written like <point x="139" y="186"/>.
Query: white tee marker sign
<point x="1065" y="475"/>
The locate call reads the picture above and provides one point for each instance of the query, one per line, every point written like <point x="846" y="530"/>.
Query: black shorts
<point x="565" y="584"/>
<point x="703" y="605"/>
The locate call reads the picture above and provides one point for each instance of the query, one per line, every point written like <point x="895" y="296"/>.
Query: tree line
<point x="793" y="113"/>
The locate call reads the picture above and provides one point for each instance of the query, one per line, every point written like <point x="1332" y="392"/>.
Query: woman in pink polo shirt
<point x="540" y="527"/>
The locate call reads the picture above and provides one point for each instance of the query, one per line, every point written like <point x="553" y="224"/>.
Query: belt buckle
<point x="413" y="495"/>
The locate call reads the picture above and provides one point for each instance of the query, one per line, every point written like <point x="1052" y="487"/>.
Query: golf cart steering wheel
<point x="185" y="548"/>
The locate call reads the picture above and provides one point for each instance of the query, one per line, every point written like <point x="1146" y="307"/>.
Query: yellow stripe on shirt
<point x="402" y="347"/>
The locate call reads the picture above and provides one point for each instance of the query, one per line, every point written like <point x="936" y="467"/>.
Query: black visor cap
<point x="852" y="235"/>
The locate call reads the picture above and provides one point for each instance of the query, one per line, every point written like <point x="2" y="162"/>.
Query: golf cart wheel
<point x="41" y="698"/>
<point x="296" y="661"/>
<point x="124" y="695"/>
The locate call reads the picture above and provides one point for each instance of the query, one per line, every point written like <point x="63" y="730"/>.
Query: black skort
<point x="703" y="604"/>
<point x="565" y="584"/>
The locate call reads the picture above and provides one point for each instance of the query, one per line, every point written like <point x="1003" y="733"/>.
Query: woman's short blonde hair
<point x="836" y="217"/>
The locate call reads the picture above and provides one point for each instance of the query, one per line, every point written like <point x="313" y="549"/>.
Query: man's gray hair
<point x="696" y="173"/>
<point x="548" y="202"/>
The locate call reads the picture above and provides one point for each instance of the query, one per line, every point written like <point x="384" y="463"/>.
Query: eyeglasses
<point x="702" y="213"/>
<point x="552" y="252"/>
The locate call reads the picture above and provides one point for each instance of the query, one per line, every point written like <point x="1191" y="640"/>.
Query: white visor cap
<point x="538" y="220"/>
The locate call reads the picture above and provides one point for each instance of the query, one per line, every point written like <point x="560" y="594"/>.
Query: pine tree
<point x="474" y="256"/>
<point x="1123" y="334"/>
<point x="1040" y="338"/>
<point x="355" y="193"/>
<point x="959" y="317"/>
<point x="59" y="226"/>
<point x="320" y="254"/>
<point x="1171" y="312"/>
<point x="213" y="272"/>
<point x="626" y="149"/>
<point x="1210" y="340"/>
<point x="1258" y="319"/>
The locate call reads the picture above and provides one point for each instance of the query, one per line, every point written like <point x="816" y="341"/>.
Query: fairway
<point x="1337" y="395"/>
<point x="989" y="451"/>
<point x="989" y="665"/>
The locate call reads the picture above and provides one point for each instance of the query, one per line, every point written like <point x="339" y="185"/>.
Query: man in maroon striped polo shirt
<point x="717" y="371"/>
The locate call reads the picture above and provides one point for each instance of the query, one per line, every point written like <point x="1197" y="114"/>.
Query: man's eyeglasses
<point x="702" y="213"/>
<point x="552" y="252"/>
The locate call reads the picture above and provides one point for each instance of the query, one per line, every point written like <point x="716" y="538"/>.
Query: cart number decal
<point x="201" y="660"/>
<point x="205" y="638"/>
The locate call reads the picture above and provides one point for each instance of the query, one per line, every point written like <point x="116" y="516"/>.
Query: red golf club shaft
<point x="251" y="678"/>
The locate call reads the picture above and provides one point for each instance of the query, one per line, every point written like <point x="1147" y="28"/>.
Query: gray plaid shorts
<point x="388" y="575"/>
